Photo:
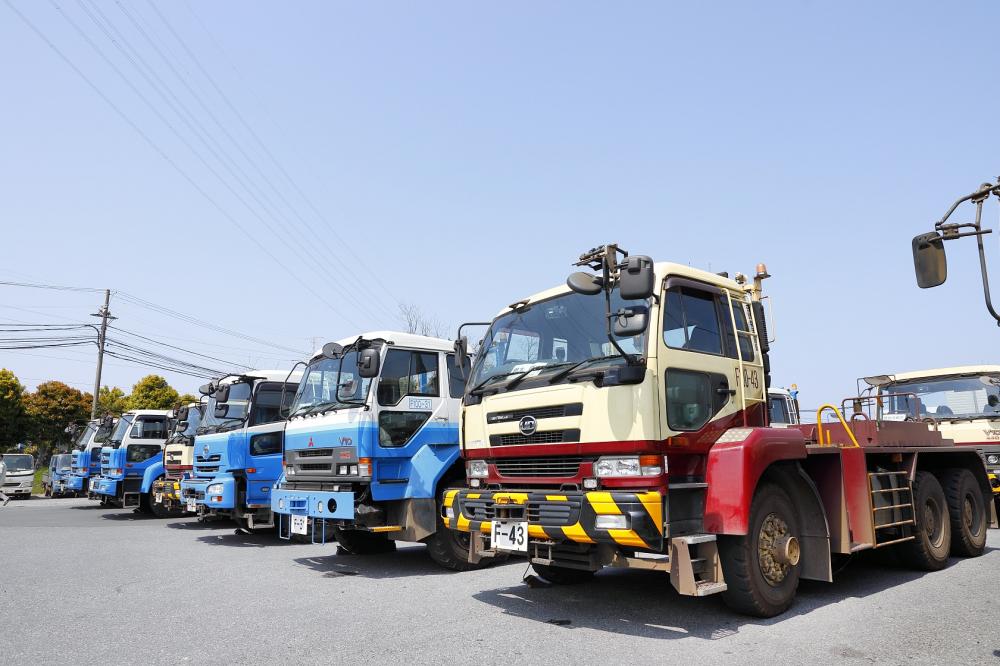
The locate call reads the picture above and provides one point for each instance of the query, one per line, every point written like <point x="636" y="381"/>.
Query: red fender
<point x="733" y="470"/>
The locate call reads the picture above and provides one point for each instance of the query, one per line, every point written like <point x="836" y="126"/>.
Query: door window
<point x="691" y="321"/>
<point x="397" y="428"/>
<point x="149" y="427"/>
<point x="137" y="453"/>
<point x="407" y="373"/>
<point x="265" y="443"/>
<point x="267" y="403"/>
<point x="690" y="403"/>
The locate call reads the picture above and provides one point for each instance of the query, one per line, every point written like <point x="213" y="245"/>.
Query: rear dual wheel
<point x="928" y="550"/>
<point x="968" y="511"/>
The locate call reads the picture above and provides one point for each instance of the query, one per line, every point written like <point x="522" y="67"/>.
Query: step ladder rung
<point x="889" y="543"/>
<point x="894" y="506"/>
<point x="901" y="489"/>
<point x="896" y="524"/>
<point x="886" y="473"/>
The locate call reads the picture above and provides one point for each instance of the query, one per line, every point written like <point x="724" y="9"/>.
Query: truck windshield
<point x="60" y="463"/>
<point x="779" y="409"/>
<point x="319" y="386"/>
<point x="943" y="398"/>
<point x="239" y="397"/>
<point x="103" y="433"/>
<point x="19" y="462"/>
<point x="124" y="423"/>
<point x="562" y="331"/>
<point x="84" y="438"/>
<point x="193" y="422"/>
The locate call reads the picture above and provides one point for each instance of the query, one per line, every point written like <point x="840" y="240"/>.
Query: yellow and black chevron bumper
<point x="557" y="516"/>
<point x="994" y="482"/>
<point x="168" y="488"/>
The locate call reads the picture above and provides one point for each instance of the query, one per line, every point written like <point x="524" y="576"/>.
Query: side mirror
<point x="207" y="389"/>
<point x="182" y="413"/>
<point x="630" y="321"/>
<point x="181" y="426"/>
<point x="221" y="411"/>
<point x="461" y="347"/>
<point x="222" y="393"/>
<point x="368" y="363"/>
<point x="585" y="283"/>
<point x="635" y="278"/>
<point x="929" y="260"/>
<point x="333" y="350"/>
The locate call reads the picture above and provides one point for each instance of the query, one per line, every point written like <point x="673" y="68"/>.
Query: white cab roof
<point x="936" y="372"/>
<point x="399" y="339"/>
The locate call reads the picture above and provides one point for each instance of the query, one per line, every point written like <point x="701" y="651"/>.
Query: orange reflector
<point x="216" y="499"/>
<point x="251" y="470"/>
<point x="365" y="461"/>
<point x="649" y="460"/>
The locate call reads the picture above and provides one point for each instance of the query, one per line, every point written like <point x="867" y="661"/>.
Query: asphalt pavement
<point x="81" y="583"/>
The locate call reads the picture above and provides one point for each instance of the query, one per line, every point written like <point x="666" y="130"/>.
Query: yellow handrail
<point x="819" y="426"/>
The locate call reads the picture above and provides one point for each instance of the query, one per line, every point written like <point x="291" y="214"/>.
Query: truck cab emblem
<point x="527" y="425"/>
<point x="347" y="441"/>
<point x="310" y="444"/>
<point x="205" y="449"/>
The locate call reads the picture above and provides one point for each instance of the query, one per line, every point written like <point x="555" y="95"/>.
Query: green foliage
<point x="49" y="410"/>
<point x="153" y="392"/>
<point x="111" y="400"/>
<point x="12" y="420"/>
<point x="186" y="399"/>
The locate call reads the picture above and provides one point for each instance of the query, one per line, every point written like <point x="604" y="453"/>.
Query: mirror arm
<point x="281" y="405"/>
<point x="982" y="263"/>
<point x="629" y="358"/>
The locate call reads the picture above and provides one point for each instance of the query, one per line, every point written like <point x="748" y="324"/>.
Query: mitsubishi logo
<point x="310" y="444"/>
<point x="527" y="425"/>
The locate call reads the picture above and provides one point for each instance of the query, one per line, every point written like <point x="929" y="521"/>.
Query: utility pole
<point x="104" y="314"/>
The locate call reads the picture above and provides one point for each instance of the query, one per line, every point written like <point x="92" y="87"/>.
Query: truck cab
<point x="237" y="452"/>
<point x="963" y="403"/>
<point x="132" y="459"/>
<point x="20" y="475"/>
<point x="178" y="458"/>
<point x="86" y="455"/>
<point x="783" y="407"/>
<point x="370" y="444"/>
<point x="54" y="481"/>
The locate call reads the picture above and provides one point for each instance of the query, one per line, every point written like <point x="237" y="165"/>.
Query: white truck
<point x="783" y="407"/>
<point x="20" y="475"/>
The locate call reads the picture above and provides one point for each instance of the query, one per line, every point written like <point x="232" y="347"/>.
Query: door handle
<point x="725" y="391"/>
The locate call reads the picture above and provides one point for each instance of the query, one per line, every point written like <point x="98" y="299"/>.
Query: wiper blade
<point x="489" y="380"/>
<point x="562" y="374"/>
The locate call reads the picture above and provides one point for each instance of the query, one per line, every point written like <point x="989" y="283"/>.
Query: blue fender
<point x="152" y="473"/>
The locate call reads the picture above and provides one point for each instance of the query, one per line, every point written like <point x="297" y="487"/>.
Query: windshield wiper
<point x="489" y="380"/>
<point x="562" y="374"/>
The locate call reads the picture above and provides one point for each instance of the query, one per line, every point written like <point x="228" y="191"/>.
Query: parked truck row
<point x="624" y="419"/>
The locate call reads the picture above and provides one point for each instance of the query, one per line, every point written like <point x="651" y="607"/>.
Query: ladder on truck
<point x="746" y="367"/>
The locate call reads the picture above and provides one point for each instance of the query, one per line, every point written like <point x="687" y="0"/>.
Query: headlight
<point x="289" y="471"/>
<point x="993" y="459"/>
<point x="477" y="468"/>
<point x="281" y="503"/>
<point x="622" y="466"/>
<point x="214" y="489"/>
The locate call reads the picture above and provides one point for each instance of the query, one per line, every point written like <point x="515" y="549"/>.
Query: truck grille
<point x="562" y="466"/>
<point x="318" y="465"/>
<point x="209" y="459"/>
<point x="548" y="513"/>
<point x="314" y="453"/>
<point x="547" y="437"/>
<point x="550" y="412"/>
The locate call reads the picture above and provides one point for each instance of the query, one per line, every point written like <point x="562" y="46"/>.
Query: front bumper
<point x="313" y="503"/>
<point x="75" y="483"/>
<point x="194" y="489"/>
<point x="562" y="517"/>
<point x="17" y="489"/>
<point x="994" y="477"/>
<point x="104" y="486"/>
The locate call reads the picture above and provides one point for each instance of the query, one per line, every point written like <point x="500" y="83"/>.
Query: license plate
<point x="509" y="535"/>
<point x="159" y="498"/>
<point x="300" y="525"/>
<point x="192" y="506"/>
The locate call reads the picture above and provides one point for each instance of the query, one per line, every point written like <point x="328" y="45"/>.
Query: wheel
<point x="359" y="542"/>
<point x="967" y="509"/>
<point x="562" y="575"/>
<point x="450" y="548"/>
<point x="158" y="510"/>
<point x="47" y="491"/>
<point x="929" y="550"/>
<point x="761" y="568"/>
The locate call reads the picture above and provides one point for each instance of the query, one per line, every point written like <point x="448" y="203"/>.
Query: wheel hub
<point x="778" y="550"/>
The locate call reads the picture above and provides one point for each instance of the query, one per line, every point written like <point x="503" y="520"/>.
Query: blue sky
<point x="459" y="157"/>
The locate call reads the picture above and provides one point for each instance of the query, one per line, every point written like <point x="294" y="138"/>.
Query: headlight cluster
<point x="477" y="468"/>
<point x="610" y="467"/>
<point x="214" y="489"/>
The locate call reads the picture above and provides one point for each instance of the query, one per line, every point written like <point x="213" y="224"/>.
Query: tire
<point x="929" y="550"/>
<point x="160" y="511"/>
<point x="968" y="510"/>
<point x="450" y="548"/>
<point x="562" y="575"/>
<point x="755" y="588"/>
<point x="359" y="542"/>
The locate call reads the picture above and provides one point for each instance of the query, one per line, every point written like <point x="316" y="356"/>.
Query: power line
<point x="194" y="353"/>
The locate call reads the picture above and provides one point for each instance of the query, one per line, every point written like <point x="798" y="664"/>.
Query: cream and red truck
<point x="621" y="420"/>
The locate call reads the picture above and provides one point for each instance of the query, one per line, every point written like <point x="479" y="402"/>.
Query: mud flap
<point x="130" y="500"/>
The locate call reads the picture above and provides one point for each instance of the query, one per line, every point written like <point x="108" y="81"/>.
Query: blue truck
<point x="371" y="443"/>
<point x="237" y="452"/>
<point x="132" y="460"/>
<point x="85" y="463"/>
<point x="54" y="480"/>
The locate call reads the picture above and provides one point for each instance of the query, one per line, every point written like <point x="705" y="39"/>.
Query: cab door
<point x="709" y="362"/>
<point x="415" y="432"/>
<point x="263" y="442"/>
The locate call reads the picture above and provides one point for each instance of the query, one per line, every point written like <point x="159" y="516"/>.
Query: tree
<point x="153" y="392"/>
<point x="49" y="410"/>
<point x="12" y="420"/>
<point x="417" y="322"/>
<point x="186" y="399"/>
<point x="111" y="400"/>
